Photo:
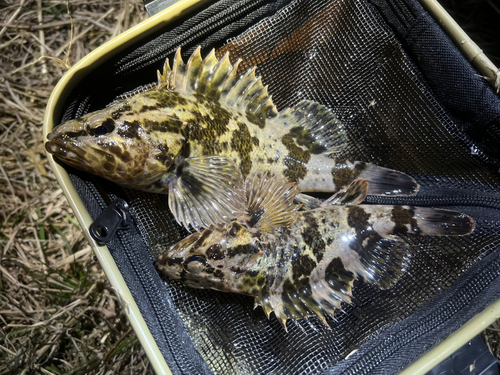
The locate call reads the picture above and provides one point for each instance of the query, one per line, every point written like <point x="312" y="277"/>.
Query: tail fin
<point x="381" y="181"/>
<point x="440" y="222"/>
<point x="425" y="221"/>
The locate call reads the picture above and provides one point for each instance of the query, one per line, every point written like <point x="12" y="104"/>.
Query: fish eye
<point x="197" y="258"/>
<point x="195" y="263"/>
<point x="102" y="128"/>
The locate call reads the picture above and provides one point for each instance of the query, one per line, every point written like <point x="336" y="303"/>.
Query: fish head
<point x="117" y="143"/>
<point x="228" y="259"/>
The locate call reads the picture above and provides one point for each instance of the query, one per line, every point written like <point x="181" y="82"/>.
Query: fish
<point x="298" y="262"/>
<point x="199" y="131"/>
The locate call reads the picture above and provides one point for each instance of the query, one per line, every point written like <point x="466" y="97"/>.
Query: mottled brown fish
<point x="303" y="263"/>
<point x="201" y="130"/>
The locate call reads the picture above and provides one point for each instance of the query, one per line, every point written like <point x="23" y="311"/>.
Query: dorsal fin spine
<point x="221" y="72"/>
<point x="178" y="68"/>
<point x="271" y="109"/>
<point x="163" y="77"/>
<point x="232" y="78"/>
<point x="248" y="82"/>
<point x="206" y="73"/>
<point x="246" y="95"/>
<point x="193" y="69"/>
<point x="252" y="92"/>
<point x="258" y="100"/>
<point x="235" y="94"/>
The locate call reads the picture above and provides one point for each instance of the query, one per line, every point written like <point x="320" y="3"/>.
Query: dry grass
<point x="57" y="311"/>
<point x="491" y="336"/>
<point x="58" y="314"/>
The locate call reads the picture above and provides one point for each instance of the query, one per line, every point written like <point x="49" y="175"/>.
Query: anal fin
<point x="319" y="295"/>
<point x="441" y="222"/>
<point x="355" y="193"/>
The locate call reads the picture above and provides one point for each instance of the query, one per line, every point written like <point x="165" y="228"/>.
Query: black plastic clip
<point x="115" y="216"/>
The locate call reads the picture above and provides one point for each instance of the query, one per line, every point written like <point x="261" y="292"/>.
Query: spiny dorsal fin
<point x="219" y="81"/>
<point x="270" y="203"/>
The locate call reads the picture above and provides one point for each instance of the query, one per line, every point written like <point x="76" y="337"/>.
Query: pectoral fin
<point x="270" y="203"/>
<point x="205" y="191"/>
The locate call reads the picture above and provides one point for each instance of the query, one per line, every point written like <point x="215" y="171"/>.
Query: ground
<point x="57" y="310"/>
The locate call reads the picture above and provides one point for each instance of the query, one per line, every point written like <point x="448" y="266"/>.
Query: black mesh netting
<point x="410" y="102"/>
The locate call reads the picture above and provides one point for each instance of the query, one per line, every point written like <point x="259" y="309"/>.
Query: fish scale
<point x="202" y="123"/>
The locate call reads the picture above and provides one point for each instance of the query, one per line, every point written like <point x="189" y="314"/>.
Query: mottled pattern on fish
<point x="205" y="109"/>
<point x="307" y="265"/>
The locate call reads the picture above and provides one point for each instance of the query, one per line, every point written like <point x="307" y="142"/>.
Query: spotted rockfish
<point x="201" y="129"/>
<point x="303" y="263"/>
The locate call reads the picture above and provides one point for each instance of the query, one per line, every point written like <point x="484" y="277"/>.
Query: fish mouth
<point x="170" y="267"/>
<point x="64" y="149"/>
<point x="69" y="152"/>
